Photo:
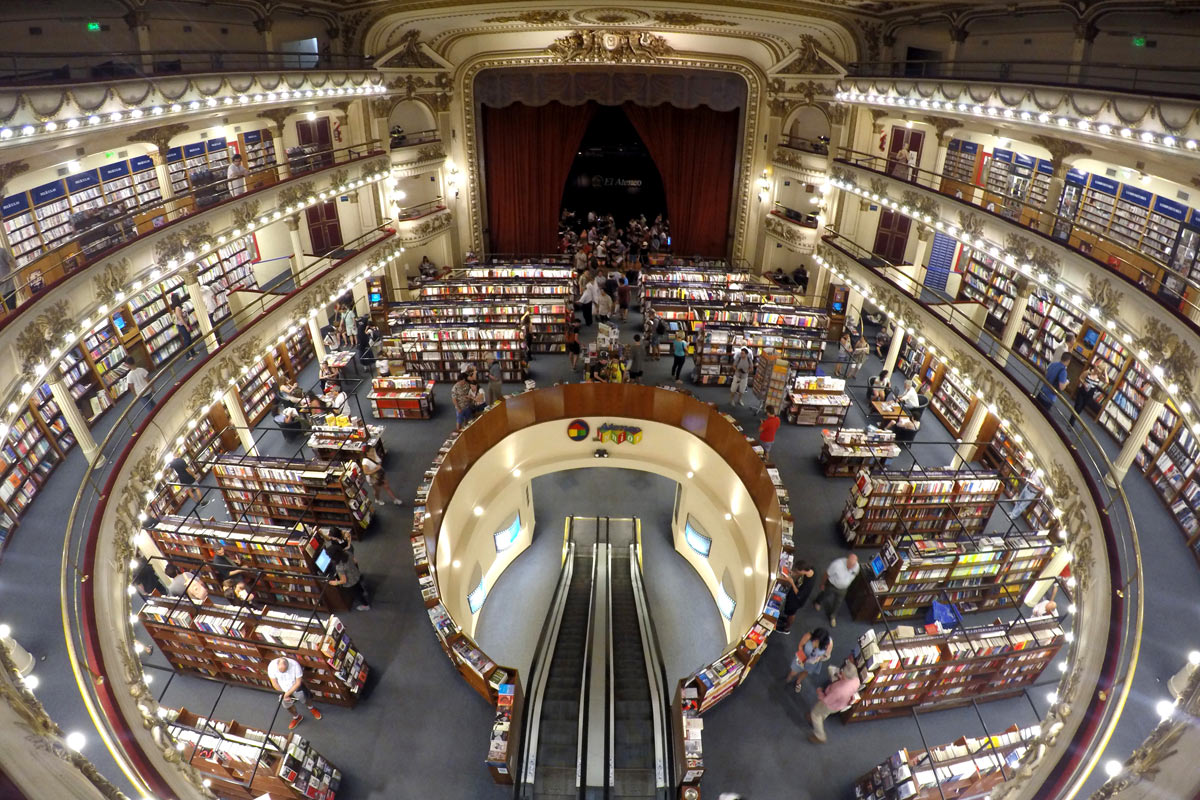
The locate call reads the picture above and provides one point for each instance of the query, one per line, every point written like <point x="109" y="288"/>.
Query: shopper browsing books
<point x="835" y="697"/>
<point x="372" y="466"/>
<point x="238" y="592"/>
<point x="799" y="580"/>
<point x="186" y="583"/>
<point x="840" y="573"/>
<point x="287" y="676"/>
<point x="462" y="396"/>
<point x="767" y="431"/>
<point x="743" y="362"/>
<point x="349" y="575"/>
<point x="813" y="650"/>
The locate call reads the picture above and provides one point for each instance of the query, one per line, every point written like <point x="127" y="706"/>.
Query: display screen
<point x="877" y="565"/>
<point x="505" y="538"/>
<point x="725" y="603"/>
<point x="475" y="599"/>
<point x="838" y="306"/>
<point x="1091" y="337"/>
<point x="119" y="321"/>
<point x="376" y="297"/>
<point x="323" y="561"/>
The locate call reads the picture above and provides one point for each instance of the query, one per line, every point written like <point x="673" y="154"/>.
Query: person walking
<point x="287" y="676"/>
<point x="572" y="339"/>
<point x="1089" y="384"/>
<point x="349" y="575"/>
<point x="835" y="697"/>
<point x="604" y="307"/>
<point x="743" y="362"/>
<point x="655" y="330"/>
<point x="679" y="354"/>
<point x="372" y="466"/>
<point x="767" y="431"/>
<point x="495" y="384"/>
<point x="138" y="379"/>
<point x="1055" y="381"/>
<point x="858" y="356"/>
<point x="799" y="580"/>
<point x="813" y="650"/>
<point x="187" y="481"/>
<point x="840" y="573"/>
<point x="587" y="297"/>
<point x="183" y="326"/>
<point x="462" y="396"/>
<point x="624" y="292"/>
<point x="845" y="348"/>
<point x="637" y="355"/>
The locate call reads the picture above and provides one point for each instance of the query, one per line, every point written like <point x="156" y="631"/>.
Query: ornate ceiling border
<point x="755" y="93"/>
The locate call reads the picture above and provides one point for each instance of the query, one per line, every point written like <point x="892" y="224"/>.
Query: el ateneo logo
<point x="604" y="181"/>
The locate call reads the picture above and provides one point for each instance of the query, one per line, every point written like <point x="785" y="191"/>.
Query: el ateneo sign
<point x="578" y="431"/>
<point x="605" y="181"/>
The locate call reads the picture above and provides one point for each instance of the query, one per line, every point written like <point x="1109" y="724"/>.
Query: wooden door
<point x="910" y="141"/>
<point x="891" y="238"/>
<point x="324" y="231"/>
<point x="316" y="133"/>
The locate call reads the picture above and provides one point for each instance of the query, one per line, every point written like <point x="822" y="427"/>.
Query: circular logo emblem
<point x="578" y="430"/>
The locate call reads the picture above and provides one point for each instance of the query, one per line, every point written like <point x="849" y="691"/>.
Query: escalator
<point x="596" y="724"/>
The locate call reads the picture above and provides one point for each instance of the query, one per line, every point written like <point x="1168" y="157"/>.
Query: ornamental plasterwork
<point x="1060" y="149"/>
<point x="34" y="343"/>
<point x="10" y="170"/>
<point x="552" y="17"/>
<point x="809" y="60"/>
<point x="428" y="227"/>
<point x="277" y="116"/>
<point x="970" y="223"/>
<point x="247" y="210"/>
<point x="1103" y="296"/>
<point x="159" y="136"/>
<point x="409" y="52"/>
<point x="685" y="19"/>
<point x="995" y="389"/>
<point x="110" y="279"/>
<point x="611" y="16"/>
<point x="943" y="126"/>
<point x="789" y="234"/>
<point x="784" y="97"/>
<point x="792" y="160"/>
<point x="610" y="46"/>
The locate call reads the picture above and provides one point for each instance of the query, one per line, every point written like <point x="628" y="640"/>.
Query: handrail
<point x="175" y="210"/>
<point x="805" y="219"/>
<point x="80" y="559"/>
<point x="815" y="146"/>
<point x="1179" y="81"/>
<point x="655" y="669"/>
<point x="1122" y="648"/>
<point x="405" y="139"/>
<point x="928" y="179"/>
<point x="421" y="209"/>
<point x="585" y="679"/>
<point x="33" y="69"/>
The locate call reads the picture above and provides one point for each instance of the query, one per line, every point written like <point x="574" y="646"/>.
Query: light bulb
<point x="76" y="740"/>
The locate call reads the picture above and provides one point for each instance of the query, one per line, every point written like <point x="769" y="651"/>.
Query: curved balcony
<point x="808" y="158"/>
<point x="422" y="222"/>
<point x="416" y="153"/>
<point x="796" y="229"/>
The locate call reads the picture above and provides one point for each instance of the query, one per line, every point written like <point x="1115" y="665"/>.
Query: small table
<point x="890" y="410"/>
<point x="338" y="360"/>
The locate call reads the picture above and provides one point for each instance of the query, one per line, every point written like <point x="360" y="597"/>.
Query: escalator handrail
<point x="543" y="657"/>
<point x="585" y="683"/>
<point x="655" y="677"/>
<point x="612" y="714"/>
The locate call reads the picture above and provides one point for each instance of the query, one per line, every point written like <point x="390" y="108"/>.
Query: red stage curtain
<point x="528" y="151"/>
<point x="695" y="151"/>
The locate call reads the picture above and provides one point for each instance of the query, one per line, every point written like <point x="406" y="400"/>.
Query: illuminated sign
<point x="617" y="434"/>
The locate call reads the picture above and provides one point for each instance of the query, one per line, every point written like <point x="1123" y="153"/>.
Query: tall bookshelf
<point x="266" y="490"/>
<point x="1046" y="316"/>
<point x="256" y="390"/>
<point x="912" y="357"/>
<point x="282" y="559"/>
<point x="952" y="403"/>
<point x="988" y="281"/>
<point x="436" y="352"/>
<point x="969" y="768"/>
<point x="28" y="455"/>
<point x="226" y="268"/>
<point x="226" y="643"/>
<point x="797" y="337"/>
<point x="295" y="353"/>
<point x="1173" y="475"/>
<point x="923" y="504"/>
<point x="104" y="351"/>
<point x="548" y="292"/>
<point x="152" y="319"/>
<point x="977" y="574"/>
<point x="906" y="669"/>
<point x="246" y="763"/>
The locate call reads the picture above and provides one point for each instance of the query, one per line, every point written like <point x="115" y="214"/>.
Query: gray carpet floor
<point x="420" y="732"/>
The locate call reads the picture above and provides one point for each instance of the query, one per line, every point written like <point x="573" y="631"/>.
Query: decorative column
<point x="1137" y="437"/>
<point x="1081" y="50"/>
<point x="942" y="126"/>
<point x="263" y="26"/>
<point x="893" y="352"/>
<point x="958" y="35"/>
<point x="314" y="331"/>
<point x="237" y="416"/>
<point x="21" y="658"/>
<point x="138" y="21"/>
<point x="277" y="117"/>
<point x="1060" y="150"/>
<point x="192" y="281"/>
<point x="298" y="261"/>
<point x="1013" y="324"/>
<point x="75" y="421"/>
<point x="921" y="253"/>
<point x="966" y="440"/>
<point x="160" y="136"/>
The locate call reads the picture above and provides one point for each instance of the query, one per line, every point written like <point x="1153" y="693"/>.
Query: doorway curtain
<point x="695" y="150"/>
<point x="528" y="152"/>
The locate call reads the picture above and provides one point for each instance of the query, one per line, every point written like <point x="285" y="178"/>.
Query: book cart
<point x="401" y="397"/>
<point x="247" y="763"/>
<point x="227" y="643"/>
<point x="975" y="574"/>
<point x="846" y="451"/>
<point x="969" y="768"/>
<point x="817" y="400"/>
<point x="281" y="559"/>
<point x="906" y="668"/>
<point x="280" y="491"/>
<point x="919" y="503"/>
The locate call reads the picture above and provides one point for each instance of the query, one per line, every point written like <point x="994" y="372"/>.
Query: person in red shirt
<point x="766" y="431"/>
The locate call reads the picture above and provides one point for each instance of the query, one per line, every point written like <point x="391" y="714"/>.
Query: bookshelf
<point x="771" y="379"/>
<point x="923" y="504"/>
<point x="225" y="643"/>
<point x="1005" y="454"/>
<point x="961" y="158"/>
<point x="27" y="457"/>
<point x="801" y="345"/>
<point x="436" y="352"/>
<point x="970" y="768"/>
<point x="269" y="491"/>
<point x="548" y="292"/>
<point x="344" y="438"/>
<point x="1045" y="318"/>
<point x="256" y="390"/>
<point x="912" y="357"/>
<point x="245" y="763"/>
<point x="1124" y="403"/>
<point x="503" y="745"/>
<point x="401" y="397"/>
<point x="51" y="418"/>
<point x="1173" y="475"/>
<point x="103" y="350"/>
<point x="977" y="574"/>
<point x="845" y="451"/>
<point x="226" y="268"/>
<point x="818" y="400"/>
<point x="295" y="353"/>
<point x="991" y="283"/>
<point x="908" y="669"/>
<point x="84" y="384"/>
<point x="151" y="312"/>
<point x="1015" y="179"/>
<point x="952" y="403"/>
<point x="281" y="558"/>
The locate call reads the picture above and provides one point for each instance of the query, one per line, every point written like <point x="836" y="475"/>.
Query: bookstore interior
<point x="627" y="367"/>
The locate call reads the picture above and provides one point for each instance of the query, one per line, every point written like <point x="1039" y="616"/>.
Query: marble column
<point x="237" y="417"/>
<point x="1012" y="325"/>
<point x="314" y="330"/>
<point x="298" y="260"/>
<point x="203" y="319"/>
<point x="61" y="392"/>
<point x="893" y="353"/>
<point x="966" y="440"/>
<point x="1137" y="436"/>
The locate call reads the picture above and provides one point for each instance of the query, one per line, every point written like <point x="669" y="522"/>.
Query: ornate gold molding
<point x="1060" y="149"/>
<point x="610" y="47"/>
<point x="159" y="136"/>
<point x="43" y="334"/>
<point x="809" y="60"/>
<point x="110" y="279"/>
<point x="552" y="17"/>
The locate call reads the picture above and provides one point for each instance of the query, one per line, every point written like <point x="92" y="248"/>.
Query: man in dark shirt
<point x="1056" y="379"/>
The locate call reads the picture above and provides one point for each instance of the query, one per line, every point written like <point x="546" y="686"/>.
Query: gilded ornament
<point x="110" y="279"/>
<point x="411" y="53"/>
<point x="809" y="60"/>
<point x="684" y="19"/>
<point x="159" y="136"/>
<point x="277" y="116"/>
<point x="610" y="46"/>
<point x="1060" y="149"/>
<point x="534" y="17"/>
<point x="1104" y="296"/>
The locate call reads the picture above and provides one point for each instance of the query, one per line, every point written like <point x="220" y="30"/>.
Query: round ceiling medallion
<point x="611" y="16"/>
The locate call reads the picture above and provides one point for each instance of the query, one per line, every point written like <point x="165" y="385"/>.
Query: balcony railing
<point x="818" y="146"/>
<point x="1166" y="282"/>
<point x="119" y="231"/>
<point x="39" y="69"/>
<point x="805" y="219"/>
<point x="421" y="209"/>
<point x="1181" y="81"/>
<point x="403" y="138"/>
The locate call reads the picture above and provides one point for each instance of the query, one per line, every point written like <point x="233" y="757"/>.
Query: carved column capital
<point x="10" y="170"/>
<point x="958" y="33"/>
<point x="264" y="24"/>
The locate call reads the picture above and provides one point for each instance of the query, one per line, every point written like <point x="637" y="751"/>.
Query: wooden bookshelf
<point x="1046" y="317"/>
<point x="548" y="292"/>
<point x="436" y="352"/>
<point x="29" y="453"/>
<point x="977" y="574"/>
<point x="504" y="745"/>
<point x="846" y="451"/>
<point x="281" y="560"/>
<point x="256" y="390"/>
<point x="228" y="268"/>
<point x="818" y="400"/>
<point x="952" y="403"/>
<point x="294" y="354"/>
<point x="1174" y="476"/>
<point x="990" y="282"/>
<point x="908" y="669"/>
<point x="801" y="346"/>
<point x="970" y="768"/>
<point x="226" y="643"/>
<point x="913" y="357"/>
<point x="401" y="397"/>
<point x="770" y="379"/>
<point x="926" y="504"/>
<point x="281" y="491"/>
<point x="245" y="763"/>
